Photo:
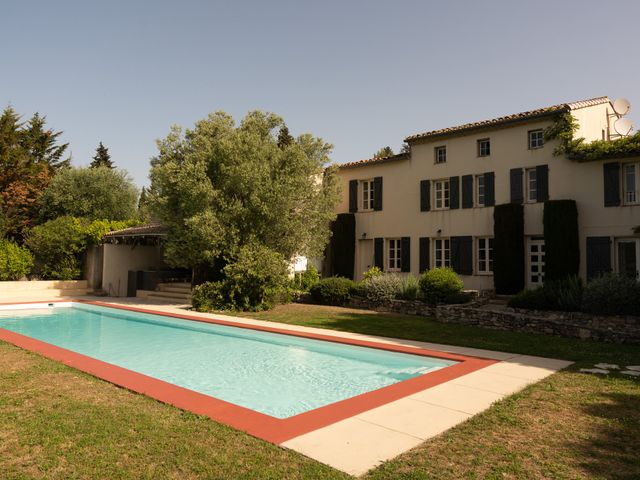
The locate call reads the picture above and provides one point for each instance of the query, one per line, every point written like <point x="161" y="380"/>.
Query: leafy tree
<point x="102" y="158"/>
<point x="383" y="152"/>
<point x="93" y="193"/>
<point x="221" y="187"/>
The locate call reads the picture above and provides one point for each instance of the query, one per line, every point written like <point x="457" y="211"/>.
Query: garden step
<point x="173" y="289"/>
<point x="170" y="296"/>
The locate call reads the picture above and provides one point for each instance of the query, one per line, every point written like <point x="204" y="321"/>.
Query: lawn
<point x="59" y="423"/>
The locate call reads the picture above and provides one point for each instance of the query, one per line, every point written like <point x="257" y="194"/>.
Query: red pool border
<point x="275" y="430"/>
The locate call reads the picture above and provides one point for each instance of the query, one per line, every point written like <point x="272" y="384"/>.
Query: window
<point x="536" y="139"/>
<point x="480" y="190"/>
<point x="441" y="154"/>
<point x="631" y="182"/>
<point x="532" y="185"/>
<point x="628" y="257"/>
<point x="441" y="194"/>
<point x="441" y="257"/>
<point x="536" y="254"/>
<point x="394" y="259"/>
<point x="484" y="147"/>
<point x="367" y="195"/>
<point x="485" y="255"/>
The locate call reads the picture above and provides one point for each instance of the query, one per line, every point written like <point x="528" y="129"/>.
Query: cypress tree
<point x="102" y="158"/>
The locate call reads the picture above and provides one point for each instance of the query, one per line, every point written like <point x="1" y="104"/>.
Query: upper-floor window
<point x="484" y="147"/>
<point x="367" y="194"/>
<point x="536" y="139"/>
<point x="485" y="255"/>
<point x="441" y="154"/>
<point x="480" y="190"/>
<point x="394" y="260"/>
<point x="531" y="180"/>
<point x="441" y="194"/>
<point x="442" y="252"/>
<point x="631" y="183"/>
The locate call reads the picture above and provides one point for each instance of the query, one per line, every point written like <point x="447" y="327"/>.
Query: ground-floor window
<point x="442" y="252"/>
<point x="485" y="255"/>
<point x="628" y="257"/>
<point x="394" y="260"/>
<point x="535" y="261"/>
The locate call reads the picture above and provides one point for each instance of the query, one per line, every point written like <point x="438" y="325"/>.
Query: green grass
<point x="58" y="423"/>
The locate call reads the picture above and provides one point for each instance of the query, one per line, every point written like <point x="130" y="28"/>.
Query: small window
<point x="367" y="195"/>
<point x="480" y="190"/>
<point x="536" y="139"/>
<point x="441" y="194"/>
<point x="631" y="182"/>
<point x="532" y="185"/>
<point x="441" y="250"/>
<point x="485" y="255"/>
<point x="484" y="147"/>
<point x="394" y="255"/>
<point x="441" y="154"/>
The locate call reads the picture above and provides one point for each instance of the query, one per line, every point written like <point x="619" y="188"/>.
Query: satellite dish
<point x="621" y="106"/>
<point x="623" y="126"/>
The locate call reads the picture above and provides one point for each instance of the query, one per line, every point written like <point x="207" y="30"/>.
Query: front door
<point x="535" y="262"/>
<point x="629" y="257"/>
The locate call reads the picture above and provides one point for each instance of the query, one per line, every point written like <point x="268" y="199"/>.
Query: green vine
<point x="564" y="128"/>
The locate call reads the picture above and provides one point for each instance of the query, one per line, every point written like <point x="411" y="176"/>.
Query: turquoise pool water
<point x="275" y="374"/>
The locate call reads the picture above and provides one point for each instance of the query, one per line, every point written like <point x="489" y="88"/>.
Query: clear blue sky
<point x="360" y="74"/>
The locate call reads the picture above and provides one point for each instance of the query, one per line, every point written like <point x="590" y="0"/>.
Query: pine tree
<point x="284" y="137"/>
<point x="102" y="158"/>
<point x="383" y="152"/>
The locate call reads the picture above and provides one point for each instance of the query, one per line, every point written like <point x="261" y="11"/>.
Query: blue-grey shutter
<point x="489" y="189"/>
<point x="353" y="196"/>
<point x="542" y="183"/>
<point x="462" y="255"/>
<point x="517" y="194"/>
<point x="405" y="254"/>
<point x="454" y="192"/>
<point x="377" y="193"/>
<point x="598" y="256"/>
<point x="611" y="174"/>
<point x="467" y="191"/>
<point x="425" y="195"/>
<point x="424" y="254"/>
<point x="378" y="252"/>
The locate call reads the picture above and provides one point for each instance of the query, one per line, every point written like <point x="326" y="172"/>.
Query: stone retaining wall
<point x="566" y="324"/>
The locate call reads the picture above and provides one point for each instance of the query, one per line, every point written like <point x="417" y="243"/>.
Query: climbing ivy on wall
<point x="508" y="263"/>
<point x="562" y="244"/>
<point x="343" y="245"/>
<point x="564" y="129"/>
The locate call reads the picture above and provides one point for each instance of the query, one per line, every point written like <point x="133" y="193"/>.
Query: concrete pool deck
<point x="364" y="440"/>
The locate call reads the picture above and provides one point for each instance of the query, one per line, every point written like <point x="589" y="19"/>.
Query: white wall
<point x="119" y="259"/>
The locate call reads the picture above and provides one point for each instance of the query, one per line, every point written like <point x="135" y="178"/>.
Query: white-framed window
<point x="535" y="262"/>
<point x="628" y="257"/>
<point x="441" y="154"/>
<point x="441" y="252"/>
<point x="536" y="139"/>
<point x="531" y="180"/>
<point x="480" y="190"/>
<point x="485" y="255"/>
<point x="484" y="147"/>
<point x="441" y="194"/>
<point x="394" y="251"/>
<point x="631" y="182"/>
<point x="367" y="194"/>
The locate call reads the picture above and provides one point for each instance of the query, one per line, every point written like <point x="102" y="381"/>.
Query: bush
<point x="612" y="295"/>
<point x="457" y="298"/>
<point x="305" y="280"/>
<point x="16" y="262"/>
<point x="333" y="291"/>
<point x="438" y="284"/>
<point x="372" y="272"/>
<point x="508" y="267"/>
<point x="209" y="296"/>
<point x="380" y="289"/>
<point x="562" y="245"/>
<point x="563" y="294"/>
<point x="409" y="289"/>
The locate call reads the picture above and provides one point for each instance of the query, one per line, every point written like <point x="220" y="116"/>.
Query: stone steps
<point x="42" y="290"/>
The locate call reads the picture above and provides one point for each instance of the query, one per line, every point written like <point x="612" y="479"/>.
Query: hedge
<point x="343" y="245"/>
<point x="562" y="244"/>
<point x="508" y="264"/>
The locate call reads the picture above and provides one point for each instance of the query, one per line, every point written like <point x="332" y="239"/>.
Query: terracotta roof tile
<point x="370" y="161"/>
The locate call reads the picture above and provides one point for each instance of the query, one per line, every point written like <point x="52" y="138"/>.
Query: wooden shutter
<point x="517" y="194"/>
<point x="598" y="256"/>
<point x="611" y="175"/>
<point x="462" y="255"/>
<point x="353" y="196"/>
<point x="405" y="254"/>
<point x="454" y="192"/>
<point x="542" y="183"/>
<point x="489" y="189"/>
<point x="425" y="195"/>
<point x="467" y="191"/>
<point x="377" y="193"/>
<point x="424" y="254"/>
<point x="378" y="255"/>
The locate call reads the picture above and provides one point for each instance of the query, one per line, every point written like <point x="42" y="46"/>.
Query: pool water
<point x="275" y="374"/>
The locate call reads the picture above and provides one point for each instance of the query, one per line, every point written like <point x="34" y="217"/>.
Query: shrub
<point x="305" y="280"/>
<point x="438" y="284"/>
<point x="508" y="267"/>
<point x="564" y="294"/>
<point x="372" y="272"/>
<point x="409" y="288"/>
<point x="381" y="289"/>
<point x="16" y="262"/>
<point x="209" y="296"/>
<point x="612" y="295"/>
<point x="457" y="298"/>
<point x="562" y="245"/>
<point x="333" y="291"/>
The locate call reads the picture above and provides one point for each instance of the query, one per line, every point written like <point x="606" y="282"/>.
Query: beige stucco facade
<point x="119" y="259"/>
<point x="401" y="215"/>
